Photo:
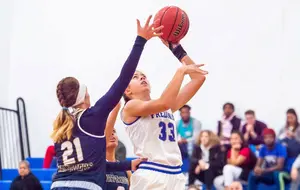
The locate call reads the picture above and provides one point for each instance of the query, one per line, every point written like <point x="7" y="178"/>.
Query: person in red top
<point x="240" y="161"/>
<point x="50" y="154"/>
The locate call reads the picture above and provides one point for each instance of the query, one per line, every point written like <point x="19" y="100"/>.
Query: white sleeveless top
<point x="155" y="137"/>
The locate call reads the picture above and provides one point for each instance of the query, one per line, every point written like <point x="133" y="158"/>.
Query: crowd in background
<point x="236" y="153"/>
<point x="240" y="152"/>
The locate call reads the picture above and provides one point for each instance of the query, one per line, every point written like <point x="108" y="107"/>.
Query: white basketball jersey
<point x="155" y="137"/>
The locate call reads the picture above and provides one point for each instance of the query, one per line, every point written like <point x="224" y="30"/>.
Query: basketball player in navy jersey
<point x="79" y="137"/>
<point x="151" y="127"/>
<point x="114" y="180"/>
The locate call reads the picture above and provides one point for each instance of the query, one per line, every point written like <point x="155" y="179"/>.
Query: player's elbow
<point x="166" y="103"/>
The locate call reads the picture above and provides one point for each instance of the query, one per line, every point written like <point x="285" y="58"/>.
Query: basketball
<point x="175" y="21"/>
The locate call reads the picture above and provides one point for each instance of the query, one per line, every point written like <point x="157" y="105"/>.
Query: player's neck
<point x="110" y="155"/>
<point x="145" y="97"/>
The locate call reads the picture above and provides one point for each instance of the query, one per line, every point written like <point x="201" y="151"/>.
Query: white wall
<point x="251" y="49"/>
<point x="5" y="23"/>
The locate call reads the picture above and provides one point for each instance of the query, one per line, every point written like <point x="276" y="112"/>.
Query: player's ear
<point x="127" y="91"/>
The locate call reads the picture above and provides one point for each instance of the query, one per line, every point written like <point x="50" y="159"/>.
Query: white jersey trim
<point x="89" y="134"/>
<point x="76" y="184"/>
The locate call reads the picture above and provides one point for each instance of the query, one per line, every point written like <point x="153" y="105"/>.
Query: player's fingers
<point x="148" y="21"/>
<point x="199" y="65"/>
<point x="138" y="23"/>
<point x="157" y="34"/>
<point x="158" y="29"/>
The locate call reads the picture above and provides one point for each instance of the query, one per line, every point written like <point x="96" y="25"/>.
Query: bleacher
<point x="45" y="175"/>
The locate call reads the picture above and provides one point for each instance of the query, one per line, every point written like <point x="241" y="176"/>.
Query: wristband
<point x="178" y="51"/>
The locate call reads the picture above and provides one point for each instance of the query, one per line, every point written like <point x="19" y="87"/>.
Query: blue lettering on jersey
<point x="163" y="115"/>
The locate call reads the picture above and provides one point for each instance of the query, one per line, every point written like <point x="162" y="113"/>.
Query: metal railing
<point x="14" y="141"/>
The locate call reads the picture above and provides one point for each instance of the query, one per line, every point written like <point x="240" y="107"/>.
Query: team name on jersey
<point x="110" y="178"/>
<point x="163" y="115"/>
<point x="75" y="167"/>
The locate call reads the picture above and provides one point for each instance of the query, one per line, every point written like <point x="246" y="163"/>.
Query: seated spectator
<point x="291" y="128"/>
<point x="240" y="161"/>
<point x="229" y="123"/>
<point x="25" y="180"/>
<point x="50" y="159"/>
<point x="188" y="129"/>
<point x="193" y="187"/>
<point x="273" y="155"/>
<point x="253" y="129"/>
<point x="207" y="159"/>
<point x="295" y="174"/>
<point x="293" y="150"/>
<point x="236" y="186"/>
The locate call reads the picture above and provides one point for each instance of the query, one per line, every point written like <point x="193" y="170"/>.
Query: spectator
<point x="25" y="180"/>
<point x="293" y="150"/>
<point x="187" y="128"/>
<point x="240" y="161"/>
<point x="229" y="123"/>
<point x="274" y="155"/>
<point x="50" y="159"/>
<point x="253" y="129"/>
<point x="295" y="174"/>
<point x="291" y="128"/>
<point x="120" y="151"/>
<point x="207" y="160"/>
<point x="236" y="186"/>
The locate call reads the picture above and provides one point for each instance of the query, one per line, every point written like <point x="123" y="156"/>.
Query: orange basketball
<point x="175" y="21"/>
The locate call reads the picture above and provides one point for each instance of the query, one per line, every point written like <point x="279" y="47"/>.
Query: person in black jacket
<point x="207" y="159"/>
<point x="26" y="180"/>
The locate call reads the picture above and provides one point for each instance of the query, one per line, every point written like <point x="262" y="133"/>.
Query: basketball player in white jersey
<point x="151" y="126"/>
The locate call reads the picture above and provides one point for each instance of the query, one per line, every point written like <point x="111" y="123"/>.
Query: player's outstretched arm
<point x="110" y="123"/>
<point x="197" y="79"/>
<point x="105" y="104"/>
<point x="135" y="108"/>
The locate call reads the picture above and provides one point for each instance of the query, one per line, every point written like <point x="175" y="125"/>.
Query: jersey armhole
<point x="85" y="132"/>
<point x="127" y="124"/>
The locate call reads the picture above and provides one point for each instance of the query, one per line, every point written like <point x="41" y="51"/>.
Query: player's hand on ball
<point x="136" y="162"/>
<point x="195" y="68"/>
<point x="148" y="31"/>
<point x="170" y="45"/>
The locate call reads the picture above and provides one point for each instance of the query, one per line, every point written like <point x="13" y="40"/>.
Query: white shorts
<point x="153" y="176"/>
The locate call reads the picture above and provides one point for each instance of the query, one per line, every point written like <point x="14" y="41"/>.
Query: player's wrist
<point x="178" y="51"/>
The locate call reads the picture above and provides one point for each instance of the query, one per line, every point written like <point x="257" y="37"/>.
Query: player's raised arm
<point x="197" y="79"/>
<point x="105" y="104"/>
<point x="110" y="123"/>
<point x="136" y="107"/>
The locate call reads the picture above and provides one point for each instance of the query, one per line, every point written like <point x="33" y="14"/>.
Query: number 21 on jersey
<point x="166" y="131"/>
<point x="68" y="149"/>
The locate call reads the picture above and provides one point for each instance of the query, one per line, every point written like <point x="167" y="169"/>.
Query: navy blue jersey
<point x="117" y="181"/>
<point x="82" y="158"/>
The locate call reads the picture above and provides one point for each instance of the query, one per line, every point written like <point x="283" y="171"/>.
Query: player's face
<point x="113" y="141"/>
<point x="250" y="119"/>
<point x="269" y="140"/>
<point x="139" y="83"/>
<point x="205" y="139"/>
<point x="23" y="170"/>
<point x="235" y="186"/>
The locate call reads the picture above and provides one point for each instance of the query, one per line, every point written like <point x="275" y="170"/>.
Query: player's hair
<point x="66" y="91"/>
<point x="213" y="138"/>
<point x="126" y="98"/>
